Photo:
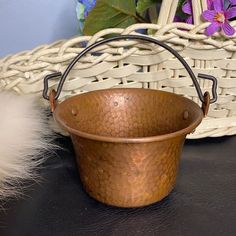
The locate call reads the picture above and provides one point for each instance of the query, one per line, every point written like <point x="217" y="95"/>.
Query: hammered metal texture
<point x="128" y="175"/>
<point x="131" y="172"/>
<point x="128" y="112"/>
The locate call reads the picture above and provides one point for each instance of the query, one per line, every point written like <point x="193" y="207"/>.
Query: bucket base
<point x="128" y="205"/>
<point x="139" y="175"/>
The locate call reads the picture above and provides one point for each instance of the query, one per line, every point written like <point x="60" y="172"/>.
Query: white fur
<point x="24" y="135"/>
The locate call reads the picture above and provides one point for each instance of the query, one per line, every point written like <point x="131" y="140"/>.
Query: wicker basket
<point x="140" y="65"/>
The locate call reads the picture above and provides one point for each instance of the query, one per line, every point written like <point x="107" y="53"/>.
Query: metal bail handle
<point x="134" y="37"/>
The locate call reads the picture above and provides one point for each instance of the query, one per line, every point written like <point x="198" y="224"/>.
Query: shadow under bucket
<point x="128" y="142"/>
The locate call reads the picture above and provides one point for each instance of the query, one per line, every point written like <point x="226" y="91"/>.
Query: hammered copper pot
<point x="128" y="142"/>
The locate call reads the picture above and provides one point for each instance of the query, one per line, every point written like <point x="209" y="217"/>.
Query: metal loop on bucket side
<point x="135" y="37"/>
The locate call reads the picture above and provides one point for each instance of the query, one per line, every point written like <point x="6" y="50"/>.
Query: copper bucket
<point x="128" y="142"/>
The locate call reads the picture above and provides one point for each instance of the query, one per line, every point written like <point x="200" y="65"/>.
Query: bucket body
<point x="128" y="175"/>
<point x="128" y="142"/>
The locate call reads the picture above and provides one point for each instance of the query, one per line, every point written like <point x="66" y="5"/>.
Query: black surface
<point x="202" y="203"/>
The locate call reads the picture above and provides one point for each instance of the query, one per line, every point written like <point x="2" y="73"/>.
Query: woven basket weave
<point x="133" y="64"/>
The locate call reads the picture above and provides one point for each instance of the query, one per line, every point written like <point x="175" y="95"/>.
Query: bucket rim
<point x="148" y="139"/>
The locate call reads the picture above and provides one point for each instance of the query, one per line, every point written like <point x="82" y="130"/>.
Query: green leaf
<point x="181" y="2"/>
<point x="143" y="5"/>
<point x="109" y="14"/>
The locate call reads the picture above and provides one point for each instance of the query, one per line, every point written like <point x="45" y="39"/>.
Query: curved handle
<point x="135" y="37"/>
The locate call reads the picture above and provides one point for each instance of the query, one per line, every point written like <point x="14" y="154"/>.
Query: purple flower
<point x="229" y="3"/>
<point x="88" y="5"/>
<point x="219" y="17"/>
<point x="232" y="1"/>
<point x="210" y="4"/>
<point x="178" y="19"/>
<point x="226" y="3"/>
<point x="83" y="7"/>
<point x="188" y="9"/>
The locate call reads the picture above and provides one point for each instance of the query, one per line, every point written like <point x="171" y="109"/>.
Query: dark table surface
<point x="202" y="203"/>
